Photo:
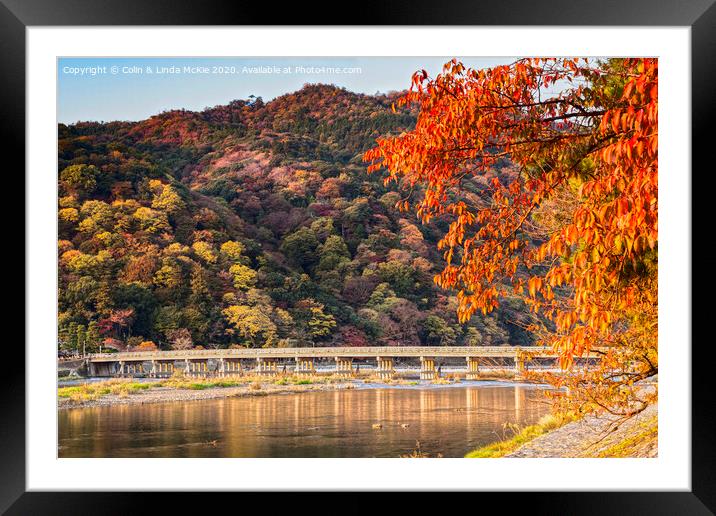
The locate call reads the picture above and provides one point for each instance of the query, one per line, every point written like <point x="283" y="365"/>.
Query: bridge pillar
<point x="121" y="368"/>
<point x="304" y="365"/>
<point x="520" y="367"/>
<point x="267" y="366"/>
<point x="427" y="369"/>
<point x="163" y="368"/>
<point x="153" y="370"/>
<point x="385" y="367"/>
<point x="198" y="367"/>
<point x="134" y="368"/>
<point x="473" y="368"/>
<point x="344" y="366"/>
<point x="231" y="366"/>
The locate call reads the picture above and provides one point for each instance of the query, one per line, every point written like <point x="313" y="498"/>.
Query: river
<point x="444" y="420"/>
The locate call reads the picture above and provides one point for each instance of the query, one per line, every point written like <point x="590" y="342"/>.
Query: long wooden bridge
<point x="222" y="362"/>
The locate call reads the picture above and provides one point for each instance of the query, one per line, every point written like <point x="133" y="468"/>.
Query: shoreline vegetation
<point x="566" y="435"/>
<point x="520" y="437"/>
<point x="594" y="436"/>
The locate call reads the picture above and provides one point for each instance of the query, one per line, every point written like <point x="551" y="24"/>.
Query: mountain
<point x="251" y="224"/>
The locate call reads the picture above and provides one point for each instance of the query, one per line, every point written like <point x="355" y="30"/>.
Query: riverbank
<point x="596" y="436"/>
<point x="178" y="388"/>
<point x="182" y="389"/>
<point x="170" y="394"/>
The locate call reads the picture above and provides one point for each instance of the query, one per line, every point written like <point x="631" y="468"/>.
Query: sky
<point x="108" y="89"/>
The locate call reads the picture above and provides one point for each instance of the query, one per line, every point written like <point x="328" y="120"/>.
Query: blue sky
<point x="91" y="89"/>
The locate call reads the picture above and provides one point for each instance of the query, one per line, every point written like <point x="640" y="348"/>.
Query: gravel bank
<point x="595" y="437"/>
<point x="167" y="394"/>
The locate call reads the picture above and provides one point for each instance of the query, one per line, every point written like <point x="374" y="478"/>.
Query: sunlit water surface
<point x="449" y="420"/>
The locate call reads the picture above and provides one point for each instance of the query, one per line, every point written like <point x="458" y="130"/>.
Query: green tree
<point x="68" y="337"/>
<point x="200" y="296"/>
<point x="438" y="332"/>
<point x="333" y="253"/>
<point x="93" y="336"/>
<point x="169" y="275"/>
<point x="472" y="337"/>
<point x="81" y="338"/>
<point x="322" y="227"/>
<point x="96" y="215"/>
<point x="380" y="296"/>
<point x="79" y="179"/>
<point x="317" y="324"/>
<point x="401" y="277"/>
<point x="320" y="324"/>
<point x="300" y="247"/>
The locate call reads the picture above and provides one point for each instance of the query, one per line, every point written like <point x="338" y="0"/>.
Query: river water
<point x="446" y="420"/>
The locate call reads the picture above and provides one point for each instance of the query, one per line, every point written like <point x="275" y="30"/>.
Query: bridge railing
<point x="328" y="352"/>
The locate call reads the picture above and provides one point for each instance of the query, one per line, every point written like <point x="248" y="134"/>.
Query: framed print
<point x="418" y="252"/>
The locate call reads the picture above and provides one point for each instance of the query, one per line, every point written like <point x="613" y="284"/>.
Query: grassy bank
<point x="644" y="436"/>
<point x="93" y="391"/>
<point x="595" y="435"/>
<point x="126" y="387"/>
<point x="520" y="436"/>
<point x="123" y="387"/>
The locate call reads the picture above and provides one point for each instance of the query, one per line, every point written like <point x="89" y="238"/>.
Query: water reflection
<point x="449" y="421"/>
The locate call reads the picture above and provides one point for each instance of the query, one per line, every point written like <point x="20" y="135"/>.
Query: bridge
<point x="223" y="362"/>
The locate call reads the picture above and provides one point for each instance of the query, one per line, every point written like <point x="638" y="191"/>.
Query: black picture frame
<point x="700" y="15"/>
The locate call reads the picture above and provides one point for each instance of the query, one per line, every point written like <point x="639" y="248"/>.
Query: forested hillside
<point x="252" y="224"/>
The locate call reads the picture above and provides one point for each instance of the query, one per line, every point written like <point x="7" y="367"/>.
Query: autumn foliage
<point x="573" y="231"/>
<point x="249" y="224"/>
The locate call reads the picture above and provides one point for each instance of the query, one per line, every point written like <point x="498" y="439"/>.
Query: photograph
<point x="413" y="250"/>
<point x="396" y="257"/>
